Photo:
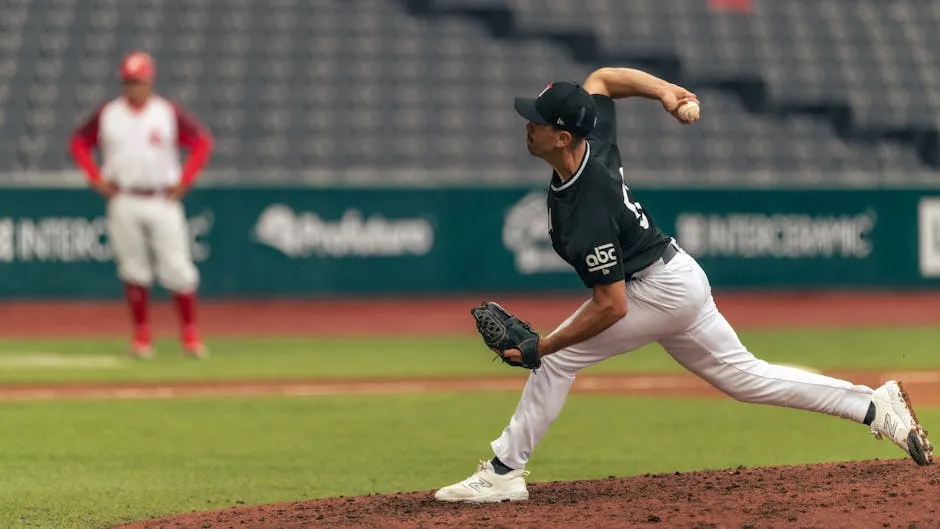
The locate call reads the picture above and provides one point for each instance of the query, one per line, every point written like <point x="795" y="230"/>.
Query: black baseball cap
<point x="564" y="104"/>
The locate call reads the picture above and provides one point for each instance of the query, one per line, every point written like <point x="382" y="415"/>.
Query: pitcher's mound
<point x="857" y="495"/>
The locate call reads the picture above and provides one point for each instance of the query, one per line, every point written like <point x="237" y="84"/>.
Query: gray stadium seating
<point x="795" y="89"/>
<point x="867" y="69"/>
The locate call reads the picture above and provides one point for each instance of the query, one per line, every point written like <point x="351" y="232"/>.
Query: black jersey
<point x="595" y="223"/>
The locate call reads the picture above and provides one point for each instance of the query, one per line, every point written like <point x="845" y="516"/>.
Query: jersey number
<point x="635" y="207"/>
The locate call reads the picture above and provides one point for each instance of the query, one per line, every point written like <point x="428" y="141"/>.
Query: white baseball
<point x="689" y="111"/>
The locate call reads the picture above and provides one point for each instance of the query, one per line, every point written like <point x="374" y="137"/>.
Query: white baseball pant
<point x="672" y="304"/>
<point x="139" y="226"/>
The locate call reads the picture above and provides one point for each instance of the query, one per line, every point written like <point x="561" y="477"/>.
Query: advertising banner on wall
<point x="302" y="242"/>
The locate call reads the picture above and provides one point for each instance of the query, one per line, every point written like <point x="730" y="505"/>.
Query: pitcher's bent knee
<point x="557" y="365"/>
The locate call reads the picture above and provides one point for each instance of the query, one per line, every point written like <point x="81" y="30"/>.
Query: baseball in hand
<point x="688" y="111"/>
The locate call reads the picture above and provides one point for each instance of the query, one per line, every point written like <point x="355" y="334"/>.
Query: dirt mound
<point x="857" y="495"/>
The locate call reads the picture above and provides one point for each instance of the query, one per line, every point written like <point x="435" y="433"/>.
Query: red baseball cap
<point x="137" y="66"/>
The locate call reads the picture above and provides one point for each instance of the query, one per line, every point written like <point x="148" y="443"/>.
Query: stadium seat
<point x="790" y="89"/>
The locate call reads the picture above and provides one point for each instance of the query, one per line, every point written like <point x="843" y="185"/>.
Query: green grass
<point x="874" y="348"/>
<point x="92" y="464"/>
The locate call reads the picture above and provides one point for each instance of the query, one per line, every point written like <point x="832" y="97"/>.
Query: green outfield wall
<point x="318" y="242"/>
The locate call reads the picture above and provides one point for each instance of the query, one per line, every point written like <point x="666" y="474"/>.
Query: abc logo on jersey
<point x="604" y="257"/>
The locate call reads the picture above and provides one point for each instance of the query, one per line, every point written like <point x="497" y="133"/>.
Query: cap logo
<point x="545" y="89"/>
<point x="560" y="121"/>
<point x="134" y="62"/>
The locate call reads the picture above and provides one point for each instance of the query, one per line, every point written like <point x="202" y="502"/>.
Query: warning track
<point x="419" y="316"/>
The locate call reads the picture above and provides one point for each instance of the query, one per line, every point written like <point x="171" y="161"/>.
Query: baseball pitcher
<point x="143" y="181"/>
<point x="645" y="289"/>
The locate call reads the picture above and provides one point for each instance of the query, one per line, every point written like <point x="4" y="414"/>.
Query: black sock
<point x="500" y="467"/>
<point x="870" y="416"/>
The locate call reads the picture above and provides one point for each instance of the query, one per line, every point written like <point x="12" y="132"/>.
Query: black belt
<point x="145" y="191"/>
<point x="671" y="250"/>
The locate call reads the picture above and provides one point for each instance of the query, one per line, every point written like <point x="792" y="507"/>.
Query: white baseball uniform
<point x="672" y="304"/>
<point x="598" y="227"/>
<point x="139" y="151"/>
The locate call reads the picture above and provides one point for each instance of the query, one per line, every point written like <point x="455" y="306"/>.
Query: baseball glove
<point x="501" y="331"/>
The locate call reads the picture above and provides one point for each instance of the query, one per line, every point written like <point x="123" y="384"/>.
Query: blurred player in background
<point x="142" y="181"/>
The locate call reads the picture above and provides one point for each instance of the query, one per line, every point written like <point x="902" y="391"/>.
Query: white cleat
<point x="486" y="486"/>
<point x="895" y="419"/>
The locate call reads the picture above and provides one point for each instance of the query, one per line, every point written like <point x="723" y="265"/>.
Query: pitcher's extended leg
<point x="711" y="349"/>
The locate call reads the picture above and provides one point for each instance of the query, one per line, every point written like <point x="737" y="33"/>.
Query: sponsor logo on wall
<point x="200" y="226"/>
<point x="928" y="236"/>
<point x="306" y="234"/>
<point x="525" y="234"/>
<point x="77" y="239"/>
<point x="776" y="236"/>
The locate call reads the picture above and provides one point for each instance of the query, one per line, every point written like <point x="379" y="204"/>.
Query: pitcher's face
<point x="542" y="140"/>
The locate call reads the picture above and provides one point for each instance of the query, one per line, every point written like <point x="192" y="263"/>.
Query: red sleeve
<point x="194" y="136"/>
<point x="84" y="141"/>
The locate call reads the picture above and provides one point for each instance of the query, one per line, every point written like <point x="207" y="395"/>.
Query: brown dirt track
<point x="857" y="495"/>
<point x="345" y="317"/>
